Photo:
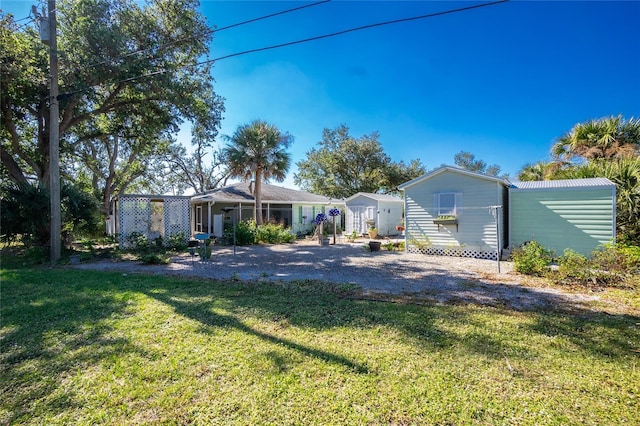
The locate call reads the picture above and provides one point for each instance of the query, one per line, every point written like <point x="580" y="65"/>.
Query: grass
<point x="82" y="347"/>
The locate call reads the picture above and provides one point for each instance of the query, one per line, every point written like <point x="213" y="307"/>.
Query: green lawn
<point x="84" y="347"/>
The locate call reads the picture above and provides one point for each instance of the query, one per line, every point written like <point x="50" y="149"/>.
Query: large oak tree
<point x="129" y="76"/>
<point x="342" y="165"/>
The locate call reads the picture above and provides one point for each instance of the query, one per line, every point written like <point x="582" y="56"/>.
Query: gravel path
<point x="439" y="278"/>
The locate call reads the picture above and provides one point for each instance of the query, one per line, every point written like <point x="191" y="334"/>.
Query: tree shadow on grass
<point x="50" y="330"/>
<point x="316" y="305"/>
<point x="187" y="301"/>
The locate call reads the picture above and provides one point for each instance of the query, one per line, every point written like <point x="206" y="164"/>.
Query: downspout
<point x="209" y="217"/>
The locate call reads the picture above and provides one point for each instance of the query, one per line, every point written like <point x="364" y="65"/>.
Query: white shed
<point x="384" y="211"/>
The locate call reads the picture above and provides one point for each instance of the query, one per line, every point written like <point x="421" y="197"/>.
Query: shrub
<point x="245" y="233"/>
<point x="573" y="268"/>
<point x="621" y="258"/>
<point x="532" y="259"/>
<point x="610" y="265"/>
<point x="177" y="240"/>
<point x="273" y="234"/>
<point x="138" y="241"/>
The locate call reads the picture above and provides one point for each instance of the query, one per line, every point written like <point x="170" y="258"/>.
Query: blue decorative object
<point x="334" y="212"/>
<point x="320" y="218"/>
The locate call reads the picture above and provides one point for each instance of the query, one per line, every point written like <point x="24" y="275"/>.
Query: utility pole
<point x="54" y="138"/>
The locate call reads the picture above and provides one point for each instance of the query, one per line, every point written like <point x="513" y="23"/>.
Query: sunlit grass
<point x="83" y="347"/>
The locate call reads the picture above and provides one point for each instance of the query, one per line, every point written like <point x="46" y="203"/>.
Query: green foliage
<point x="467" y="160"/>
<point x="36" y="255"/>
<point x="137" y="241"/>
<point x="603" y="138"/>
<point x="177" y="240"/>
<point x="155" y="259"/>
<point x="25" y="213"/>
<point x="421" y="242"/>
<point x="343" y="165"/>
<point x="532" y="259"/>
<point x="273" y="234"/>
<point x="245" y="233"/>
<point x="573" y="266"/>
<point x="113" y="123"/>
<point x="609" y="266"/>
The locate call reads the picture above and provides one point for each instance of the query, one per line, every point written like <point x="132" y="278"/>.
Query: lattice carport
<point x="154" y="216"/>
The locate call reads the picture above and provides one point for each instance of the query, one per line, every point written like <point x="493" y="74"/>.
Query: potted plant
<point x="445" y="220"/>
<point x="352" y="236"/>
<point x="375" y="245"/>
<point x="373" y="231"/>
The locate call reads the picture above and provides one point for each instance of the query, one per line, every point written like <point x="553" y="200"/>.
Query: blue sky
<point x="501" y="82"/>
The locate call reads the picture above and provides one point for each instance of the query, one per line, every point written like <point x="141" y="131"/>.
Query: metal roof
<point x="243" y="192"/>
<point x="563" y="184"/>
<point x="376" y="197"/>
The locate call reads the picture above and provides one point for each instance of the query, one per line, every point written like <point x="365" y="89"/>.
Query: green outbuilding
<point x="578" y="213"/>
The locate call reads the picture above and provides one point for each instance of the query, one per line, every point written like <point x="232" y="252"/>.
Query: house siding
<point x="386" y="214"/>
<point x="357" y="214"/>
<point x="475" y="234"/>
<point x="581" y="218"/>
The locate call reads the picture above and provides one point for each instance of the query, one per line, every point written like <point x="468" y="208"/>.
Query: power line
<point x="271" y="15"/>
<point x="350" y="30"/>
<point x="291" y="43"/>
<point x="137" y="52"/>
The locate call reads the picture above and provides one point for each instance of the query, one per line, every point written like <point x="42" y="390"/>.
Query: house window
<point x="308" y="214"/>
<point x="448" y="203"/>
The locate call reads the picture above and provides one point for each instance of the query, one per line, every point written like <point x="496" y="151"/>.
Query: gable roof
<point x="376" y="197"/>
<point x="562" y="184"/>
<point x="243" y="192"/>
<point x="451" y="169"/>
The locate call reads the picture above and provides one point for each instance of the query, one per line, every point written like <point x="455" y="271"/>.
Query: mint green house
<point x="456" y="212"/>
<point x="578" y="213"/>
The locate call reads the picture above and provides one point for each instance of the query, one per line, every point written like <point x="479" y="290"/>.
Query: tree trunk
<point x="258" y="196"/>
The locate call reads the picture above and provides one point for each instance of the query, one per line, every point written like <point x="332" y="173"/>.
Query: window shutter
<point x="436" y="206"/>
<point x="300" y="214"/>
<point x="459" y="209"/>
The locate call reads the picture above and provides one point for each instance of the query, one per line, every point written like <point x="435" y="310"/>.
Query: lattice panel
<point x="456" y="252"/>
<point x="135" y="216"/>
<point x="176" y="218"/>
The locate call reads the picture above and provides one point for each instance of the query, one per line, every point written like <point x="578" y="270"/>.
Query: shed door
<point x="217" y="225"/>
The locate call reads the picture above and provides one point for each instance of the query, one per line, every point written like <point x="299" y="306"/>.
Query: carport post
<point x="233" y="219"/>
<point x="494" y="211"/>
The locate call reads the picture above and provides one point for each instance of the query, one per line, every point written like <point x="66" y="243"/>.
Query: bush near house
<point x="532" y="259"/>
<point x="613" y="265"/>
<point x="247" y="233"/>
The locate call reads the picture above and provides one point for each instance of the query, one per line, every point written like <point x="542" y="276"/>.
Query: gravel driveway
<point x="438" y="278"/>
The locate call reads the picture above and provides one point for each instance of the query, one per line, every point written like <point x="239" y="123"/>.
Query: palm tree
<point x="539" y="171"/>
<point x="609" y="137"/>
<point x="258" y="151"/>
